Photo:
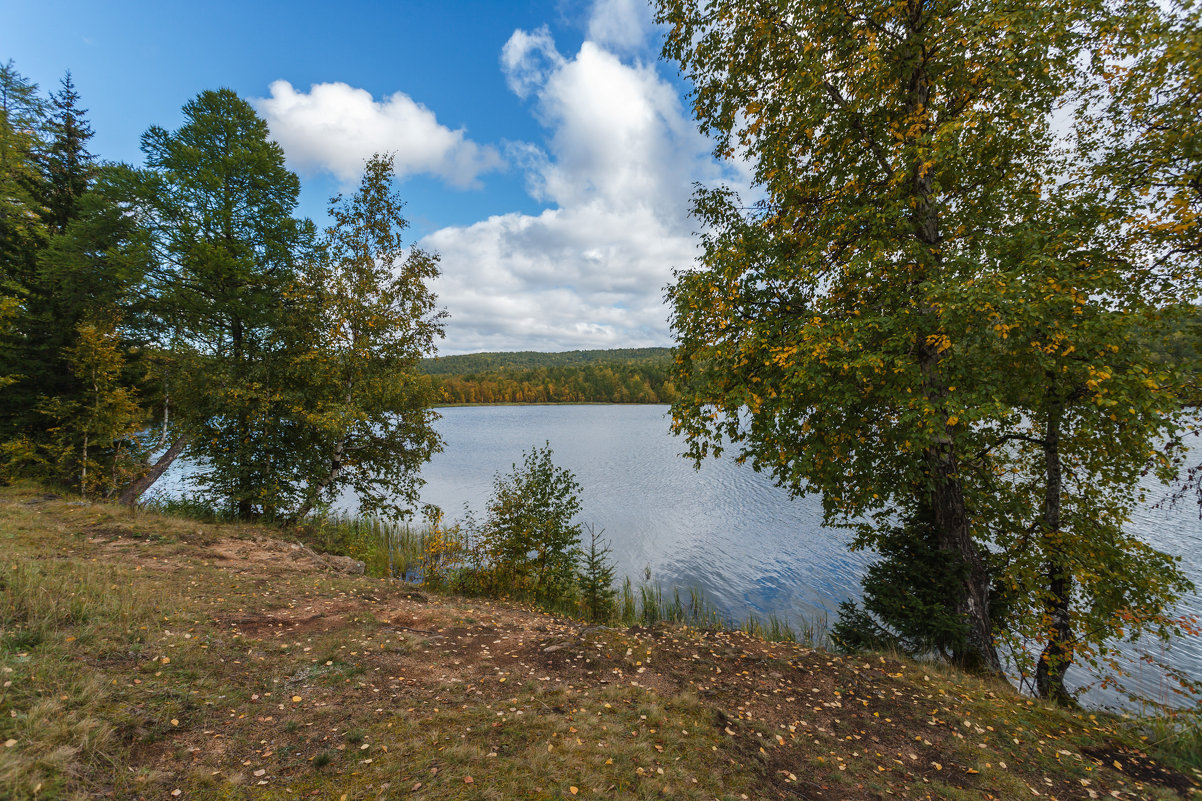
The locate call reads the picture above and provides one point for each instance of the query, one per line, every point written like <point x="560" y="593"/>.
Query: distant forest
<point x="628" y="375"/>
<point x="1181" y="342"/>
<point x="643" y="375"/>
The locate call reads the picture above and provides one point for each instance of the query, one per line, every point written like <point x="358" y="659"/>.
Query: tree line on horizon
<point x="617" y="376"/>
<point x="645" y="375"/>
<point x="181" y="307"/>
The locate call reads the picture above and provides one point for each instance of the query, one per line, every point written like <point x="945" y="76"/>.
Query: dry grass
<point x="144" y="654"/>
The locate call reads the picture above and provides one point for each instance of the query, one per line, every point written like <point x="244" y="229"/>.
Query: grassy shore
<point x="149" y="656"/>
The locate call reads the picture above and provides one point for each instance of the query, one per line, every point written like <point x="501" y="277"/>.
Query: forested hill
<point x="626" y="375"/>
<point x="473" y="363"/>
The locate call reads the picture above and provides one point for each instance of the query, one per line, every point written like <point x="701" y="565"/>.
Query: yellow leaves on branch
<point x="940" y="342"/>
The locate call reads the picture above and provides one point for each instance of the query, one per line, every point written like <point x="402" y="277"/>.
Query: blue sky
<point x="545" y="153"/>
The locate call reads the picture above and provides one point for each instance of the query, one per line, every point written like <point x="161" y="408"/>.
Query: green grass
<point x="137" y="656"/>
<point x="1176" y="737"/>
<point x="54" y="615"/>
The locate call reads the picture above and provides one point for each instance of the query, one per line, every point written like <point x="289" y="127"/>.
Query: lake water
<point x="724" y="528"/>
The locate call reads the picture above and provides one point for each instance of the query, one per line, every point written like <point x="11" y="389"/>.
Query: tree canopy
<point x="929" y="282"/>
<point x="188" y="293"/>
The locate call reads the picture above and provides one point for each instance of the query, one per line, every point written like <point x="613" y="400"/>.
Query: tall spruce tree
<point x="221" y="203"/>
<point x="94" y="268"/>
<point x="68" y="167"/>
<point x="60" y="293"/>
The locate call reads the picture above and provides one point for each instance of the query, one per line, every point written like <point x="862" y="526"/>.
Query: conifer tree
<point x="220" y="203"/>
<point x="68" y="166"/>
<point x="73" y="276"/>
<point x="597" y="590"/>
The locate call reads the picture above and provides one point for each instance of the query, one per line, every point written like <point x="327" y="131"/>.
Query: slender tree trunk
<point x="242" y="480"/>
<point x="135" y="490"/>
<point x="1057" y="656"/>
<point x="314" y="494"/>
<point x="166" y="410"/>
<point x="83" y="471"/>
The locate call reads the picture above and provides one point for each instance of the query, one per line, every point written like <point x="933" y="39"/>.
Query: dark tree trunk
<point x="135" y="490"/>
<point x="947" y="492"/>
<point x="1057" y="656"/>
<point x="972" y="602"/>
<point x="242" y="481"/>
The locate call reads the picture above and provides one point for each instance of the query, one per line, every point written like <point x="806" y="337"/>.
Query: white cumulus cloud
<point x="335" y="127"/>
<point x="528" y="58"/>
<point x="621" y="25"/>
<point x="616" y="170"/>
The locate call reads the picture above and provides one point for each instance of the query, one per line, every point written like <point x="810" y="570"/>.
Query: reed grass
<point x="397" y="549"/>
<point x="648" y="604"/>
<point x="388" y="548"/>
<point x="1176" y="735"/>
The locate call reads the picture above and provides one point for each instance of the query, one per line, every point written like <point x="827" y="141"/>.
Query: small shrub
<point x="529" y="540"/>
<point x="597" y="578"/>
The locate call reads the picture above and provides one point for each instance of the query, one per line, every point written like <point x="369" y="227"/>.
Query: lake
<point x="724" y="528"/>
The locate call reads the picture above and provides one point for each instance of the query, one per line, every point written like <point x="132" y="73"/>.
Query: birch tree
<point x="372" y="316"/>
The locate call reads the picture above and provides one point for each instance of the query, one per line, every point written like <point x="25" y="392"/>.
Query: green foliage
<point x="1145" y="121"/>
<point x="365" y="316"/>
<point x="8" y="310"/>
<point x="528" y="545"/>
<point x="22" y="229"/>
<point x="1179" y="342"/>
<point x="22" y="234"/>
<point x="94" y="268"/>
<point x="529" y="538"/>
<point x="843" y="311"/>
<point x="220" y="201"/>
<point x="68" y="166"/>
<point x="906" y="596"/>
<point x="623" y="375"/>
<point x="70" y="410"/>
<point x="597" y="590"/>
<point x="85" y="264"/>
<point x="94" y="440"/>
<point x="930" y="278"/>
